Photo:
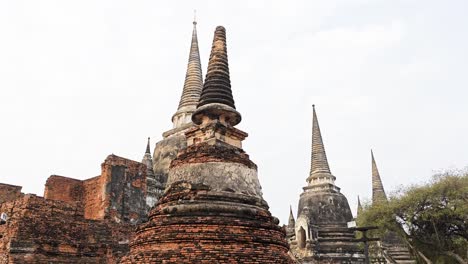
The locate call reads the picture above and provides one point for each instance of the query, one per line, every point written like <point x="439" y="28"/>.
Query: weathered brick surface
<point x="124" y="181"/>
<point x="47" y="231"/>
<point x="9" y="192"/>
<point x="192" y="224"/>
<point x="90" y="221"/>
<point x="63" y="189"/>
<point x="93" y="198"/>
<point x="118" y="193"/>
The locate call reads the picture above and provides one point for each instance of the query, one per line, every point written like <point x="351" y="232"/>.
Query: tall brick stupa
<point x="321" y="231"/>
<point x="212" y="210"/>
<point x="378" y="191"/>
<point x="174" y="139"/>
<point x="393" y="248"/>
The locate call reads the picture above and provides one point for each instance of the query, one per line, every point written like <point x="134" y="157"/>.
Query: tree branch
<point x="455" y="256"/>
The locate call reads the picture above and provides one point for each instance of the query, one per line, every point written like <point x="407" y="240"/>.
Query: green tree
<point x="431" y="218"/>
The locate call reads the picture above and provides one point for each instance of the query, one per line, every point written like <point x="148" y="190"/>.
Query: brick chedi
<point x="154" y="186"/>
<point x="359" y="206"/>
<point x="290" y="228"/>
<point x="174" y="139"/>
<point x="393" y="248"/>
<point x="378" y="192"/>
<point x="321" y="232"/>
<point x="212" y="210"/>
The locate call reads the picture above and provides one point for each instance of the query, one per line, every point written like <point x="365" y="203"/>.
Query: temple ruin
<point x="321" y="233"/>
<point x="197" y="199"/>
<point x="391" y="247"/>
<point x="77" y="221"/>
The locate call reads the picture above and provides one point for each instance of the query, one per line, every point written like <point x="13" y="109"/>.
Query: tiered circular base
<point x="192" y="224"/>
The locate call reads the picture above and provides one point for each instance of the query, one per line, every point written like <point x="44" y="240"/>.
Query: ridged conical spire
<point x="147" y="159"/>
<point x="319" y="162"/>
<point x="292" y="221"/>
<point x="193" y="78"/>
<point x="148" y="150"/>
<point x="216" y="98"/>
<point x="378" y="192"/>
<point x="359" y="206"/>
<point x="217" y="86"/>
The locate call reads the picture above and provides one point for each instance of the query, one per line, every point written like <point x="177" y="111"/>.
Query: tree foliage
<point x="431" y="218"/>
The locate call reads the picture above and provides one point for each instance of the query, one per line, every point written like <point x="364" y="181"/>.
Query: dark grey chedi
<point x="320" y="231"/>
<point x="322" y="203"/>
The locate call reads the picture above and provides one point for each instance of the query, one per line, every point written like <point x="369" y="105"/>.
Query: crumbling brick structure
<point x="89" y="221"/>
<point x="212" y="210"/>
<point x="9" y="192"/>
<point x="118" y="193"/>
<point x="320" y="234"/>
<point x="46" y="231"/>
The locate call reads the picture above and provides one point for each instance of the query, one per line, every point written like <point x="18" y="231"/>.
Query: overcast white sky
<point x="80" y="80"/>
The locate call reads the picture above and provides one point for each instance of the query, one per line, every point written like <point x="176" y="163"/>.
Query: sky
<point x="80" y="80"/>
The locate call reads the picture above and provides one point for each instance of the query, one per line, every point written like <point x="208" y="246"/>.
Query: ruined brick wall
<point x="119" y="193"/>
<point x="63" y="189"/>
<point x="125" y="189"/>
<point x="48" y="231"/>
<point x="88" y="221"/>
<point x="93" y="198"/>
<point x="9" y="192"/>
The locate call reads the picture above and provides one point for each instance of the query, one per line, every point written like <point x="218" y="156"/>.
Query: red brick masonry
<point x="192" y="224"/>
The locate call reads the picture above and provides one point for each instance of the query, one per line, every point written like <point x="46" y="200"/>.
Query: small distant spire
<point x="292" y="221"/>
<point x="319" y="162"/>
<point x="148" y="150"/>
<point x="148" y="160"/>
<point x="378" y="192"/>
<point x="359" y="206"/>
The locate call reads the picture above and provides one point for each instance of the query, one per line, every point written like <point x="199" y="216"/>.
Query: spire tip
<point x="148" y="150"/>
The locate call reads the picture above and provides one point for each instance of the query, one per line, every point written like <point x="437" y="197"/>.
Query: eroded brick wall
<point x="63" y="189"/>
<point x="125" y="189"/>
<point x="9" y="192"/>
<point x="93" y="198"/>
<point x="88" y="221"/>
<point x="119" y="193"/>
<point x="48" y="231"/>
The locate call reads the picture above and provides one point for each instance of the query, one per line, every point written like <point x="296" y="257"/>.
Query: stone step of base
<point x="405" y="262"/>
<point x="336" y="235"/>
<point x="335" y="239"/>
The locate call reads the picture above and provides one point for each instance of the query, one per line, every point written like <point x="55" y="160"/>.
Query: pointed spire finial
<point x="319" y="162"/>
<point x="291" y="221"/>
<point x="216" y="97"/>
<point x="194" y="16"/>
<point x="378" y="192"/>
<point x="193" y="84"/>
<point x="359" y="206"/>
<point x="148" y="149"/>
